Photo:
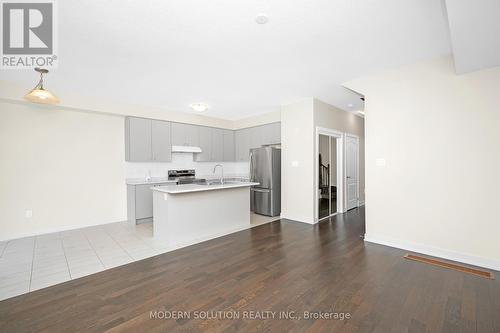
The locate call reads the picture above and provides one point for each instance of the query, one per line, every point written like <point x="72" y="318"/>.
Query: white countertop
<point x="142" y="181"/>
<point x="186" y="188"/>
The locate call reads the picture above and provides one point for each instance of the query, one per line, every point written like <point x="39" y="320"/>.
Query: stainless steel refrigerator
<point x="265" y="169"/>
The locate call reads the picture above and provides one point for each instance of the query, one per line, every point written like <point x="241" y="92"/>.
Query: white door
<point x="352" y="182"/>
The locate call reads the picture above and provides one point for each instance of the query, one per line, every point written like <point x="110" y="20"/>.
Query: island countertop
<point x="187" y="188"/>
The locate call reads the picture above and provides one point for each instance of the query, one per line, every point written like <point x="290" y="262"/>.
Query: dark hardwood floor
<point x="281" y="266"/>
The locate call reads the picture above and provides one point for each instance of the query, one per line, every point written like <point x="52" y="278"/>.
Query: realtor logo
<point x="28" y="34"/>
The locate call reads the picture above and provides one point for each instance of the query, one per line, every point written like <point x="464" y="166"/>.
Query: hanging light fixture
<point x="39" y="94"/>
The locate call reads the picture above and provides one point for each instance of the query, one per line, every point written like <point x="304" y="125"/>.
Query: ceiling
<point x="172" y="53"/>
<point x="474" y="31"/>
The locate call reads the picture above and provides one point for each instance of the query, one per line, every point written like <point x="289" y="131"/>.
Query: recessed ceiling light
<point x="261" y="18"/>
<point x="350" y="105"/>
<point x="200" y="107"/>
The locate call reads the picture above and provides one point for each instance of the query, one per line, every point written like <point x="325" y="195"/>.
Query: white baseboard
<point x="435" y="252"/>
<point x="284" y="216"/>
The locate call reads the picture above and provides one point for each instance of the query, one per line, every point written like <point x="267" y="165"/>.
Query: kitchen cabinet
<point x="147" y="140"/>
<point x="242" y="141"/>
<point x="143" y="201"/>
<point x="254" y="137"/>
<point x="217" y="145"/>
<point x="205" y="141"/>
<point x="185" y="135"/>
<point x="271" y="134"/>
<point x="138" y="139"/>
<point x="161" y="141"/>
<point x="140" y="202"/>
<point x="229" y="154"/>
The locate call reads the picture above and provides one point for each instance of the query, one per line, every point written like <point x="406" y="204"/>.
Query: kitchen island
<point x="192" y="213"/>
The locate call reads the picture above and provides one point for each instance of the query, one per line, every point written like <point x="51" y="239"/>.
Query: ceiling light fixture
<point x="39" y="94"/>
<point x="350" y="105"/>
<point x="261" y="18"/>
<point x="200" y="107"/>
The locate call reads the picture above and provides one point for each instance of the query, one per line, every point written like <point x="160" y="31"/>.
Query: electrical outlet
<point x="28" y="213"/>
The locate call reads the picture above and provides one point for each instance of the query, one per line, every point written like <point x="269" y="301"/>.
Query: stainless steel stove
<point x="184" y="177"/>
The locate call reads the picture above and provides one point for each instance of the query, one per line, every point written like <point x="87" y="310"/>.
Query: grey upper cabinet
<point x="229" y="153"/>
<point x="185" y="135"/>
<point x="161" y="142"/>
<point x="149" y="140"/>
<point x="217" y="145"/>
<point x="138" y="139"/>
<point x="242" y="142"/>
<point x="205" y="143"/>
<point x="270" y="134"/>
<point x="254" y="137"/>
<point x="275" y="129"/>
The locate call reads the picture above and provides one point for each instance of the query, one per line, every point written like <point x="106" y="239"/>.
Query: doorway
<point x="352" y="170"/>
<point x="329" y="170"/>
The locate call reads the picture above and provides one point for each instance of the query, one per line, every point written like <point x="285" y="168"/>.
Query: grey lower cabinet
<point x="147" y="140"/>
<point x="140" y="202"/>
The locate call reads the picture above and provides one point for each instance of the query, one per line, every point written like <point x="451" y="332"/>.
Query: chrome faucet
<point x="222" y="173"/>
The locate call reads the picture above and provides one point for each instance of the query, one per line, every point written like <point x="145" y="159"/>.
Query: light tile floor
<point x="32" y="263"/>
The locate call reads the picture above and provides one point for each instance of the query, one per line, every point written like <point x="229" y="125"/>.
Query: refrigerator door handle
<point x="251" y="167"/>
<point x="261" y="190"/>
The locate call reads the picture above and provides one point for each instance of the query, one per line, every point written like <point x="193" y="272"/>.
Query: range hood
<point x="186" y="149"/>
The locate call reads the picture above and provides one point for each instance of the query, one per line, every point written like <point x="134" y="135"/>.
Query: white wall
<point x="266" y="118"/>
<point x="65" y="166"/>
<point x="297" y="161"/>
<point x="440" y="136"/>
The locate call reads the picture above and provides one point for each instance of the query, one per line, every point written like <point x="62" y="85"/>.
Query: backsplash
<point x="184" y="161"/>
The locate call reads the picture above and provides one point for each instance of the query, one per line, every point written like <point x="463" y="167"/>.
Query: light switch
<point x="295" y="164"/>
<point x="28" y="213"/>
<point x="380" y="162"/>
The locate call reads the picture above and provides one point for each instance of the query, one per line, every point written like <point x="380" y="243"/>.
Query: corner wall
<point x="439" y="134"/>
<point x="298" y="171"/>
<point x="297" y="161"/>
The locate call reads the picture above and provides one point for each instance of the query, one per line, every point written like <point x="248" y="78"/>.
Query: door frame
<point x="339" y="136"/>
<point x="357" y="170"/>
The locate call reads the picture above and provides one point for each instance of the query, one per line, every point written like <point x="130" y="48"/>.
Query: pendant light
<point x="39" y="94"/>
